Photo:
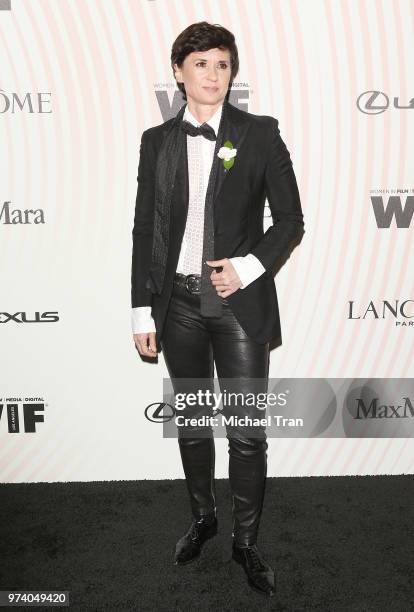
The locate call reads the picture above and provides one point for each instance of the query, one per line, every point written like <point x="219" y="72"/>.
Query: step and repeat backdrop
<point x="79" y="82"/>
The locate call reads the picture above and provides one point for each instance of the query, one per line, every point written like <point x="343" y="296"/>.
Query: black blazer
<point x="262" y="169"/>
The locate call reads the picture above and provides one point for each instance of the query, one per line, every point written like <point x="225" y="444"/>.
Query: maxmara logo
<point x="36" y="103"/>
<point x="21" y="414"/>
<point x="401" y="311"/>
<point x="393" y="208"/>
<point x="375" y="410"/>
<point x="24" y="317"/>
<point x="18" y="216"/>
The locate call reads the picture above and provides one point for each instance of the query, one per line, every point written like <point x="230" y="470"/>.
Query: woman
<point x="202" y="281"/>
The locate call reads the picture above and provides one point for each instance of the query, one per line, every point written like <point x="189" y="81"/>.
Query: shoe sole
<point x="208" y="537"/>
<point x="251" y="584"/>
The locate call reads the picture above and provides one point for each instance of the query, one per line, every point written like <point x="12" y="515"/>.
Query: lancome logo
<point x="384" y="411"/>
<point x="17" y="216"/>
<point x="384" y="309"/>
<point x="30" y="102"/>
<point x="24" y="317"/>
<point x="375" y="102"/>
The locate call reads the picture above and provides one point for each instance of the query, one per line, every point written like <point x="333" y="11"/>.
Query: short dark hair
<point x="203" y="36"/>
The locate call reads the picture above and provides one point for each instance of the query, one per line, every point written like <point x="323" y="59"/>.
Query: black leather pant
<point x="191" y="345"/>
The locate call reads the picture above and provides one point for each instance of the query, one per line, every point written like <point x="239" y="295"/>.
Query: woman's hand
<point x="227" y="281"/>
<point x="146" y="344"/>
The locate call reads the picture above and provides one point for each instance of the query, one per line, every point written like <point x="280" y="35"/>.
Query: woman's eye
<point x="203" y="65"/>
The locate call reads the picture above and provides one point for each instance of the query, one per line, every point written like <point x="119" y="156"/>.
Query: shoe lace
<point x="196" y="525"/>
<point x="254" y="559"/>
<point x="194" y="531"/>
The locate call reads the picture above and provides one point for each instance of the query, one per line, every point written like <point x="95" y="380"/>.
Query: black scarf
<point x="166" y="168"/>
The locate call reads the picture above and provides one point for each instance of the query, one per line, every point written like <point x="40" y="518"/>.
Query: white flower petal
<point x="226" y="153"/>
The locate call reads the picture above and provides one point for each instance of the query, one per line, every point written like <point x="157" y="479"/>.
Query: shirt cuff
<point x="248" y="268"/>
<point x="142" y="321"/>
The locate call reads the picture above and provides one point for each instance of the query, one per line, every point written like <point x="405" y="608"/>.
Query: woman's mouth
<point x="211" y="88"/>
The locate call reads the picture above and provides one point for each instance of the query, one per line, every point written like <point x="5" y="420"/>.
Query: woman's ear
<point x="177" y="73"/>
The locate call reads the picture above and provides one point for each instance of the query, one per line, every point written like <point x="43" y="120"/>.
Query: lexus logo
<point x="376" y="102"/>
<point x="24" y="317"/>
<point x="159" y="412"/>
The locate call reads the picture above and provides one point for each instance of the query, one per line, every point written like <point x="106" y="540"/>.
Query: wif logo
<point x="238" y="97"/>
<point x="384" y="214"/>
<point x="22" y="415"/>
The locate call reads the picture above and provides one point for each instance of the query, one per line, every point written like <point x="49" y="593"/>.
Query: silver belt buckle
<point x="192" y="284"/>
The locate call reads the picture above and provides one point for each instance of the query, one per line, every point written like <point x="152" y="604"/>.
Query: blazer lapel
<point x="235" y="130"/>
<point x="181" y="188"/>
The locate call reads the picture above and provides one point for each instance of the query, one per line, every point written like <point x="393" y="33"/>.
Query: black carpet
<point x="336" y="543"/>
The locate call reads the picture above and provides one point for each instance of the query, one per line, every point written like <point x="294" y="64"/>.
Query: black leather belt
<point x="191" y="282"/>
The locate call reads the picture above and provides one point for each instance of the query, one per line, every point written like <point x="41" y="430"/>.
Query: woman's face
<point x="206" y="76"/>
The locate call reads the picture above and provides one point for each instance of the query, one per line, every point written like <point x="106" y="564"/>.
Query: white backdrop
<point x="92" y="74"/>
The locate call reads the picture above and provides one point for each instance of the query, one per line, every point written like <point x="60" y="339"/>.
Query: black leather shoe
<point x="189" y="546"/>
<point x="261" y="576"/>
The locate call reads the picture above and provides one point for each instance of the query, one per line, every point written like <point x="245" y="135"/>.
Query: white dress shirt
<point x="200" y="153"/>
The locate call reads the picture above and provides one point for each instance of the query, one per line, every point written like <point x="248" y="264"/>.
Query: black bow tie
<point x="204" y="130"/>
